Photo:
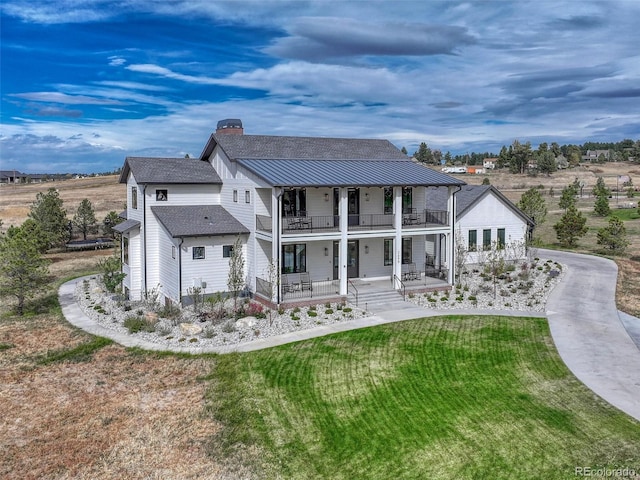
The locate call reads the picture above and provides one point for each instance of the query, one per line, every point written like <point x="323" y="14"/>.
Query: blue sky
<point x="85" y="83"/>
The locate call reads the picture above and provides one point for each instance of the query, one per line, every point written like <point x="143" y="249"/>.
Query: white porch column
<point x="437" y="254"/>
<point x="343" y="211"/>
<point x="276" y="229"/>
<point x="397" y="241"/>
<point x="451" y="210"/>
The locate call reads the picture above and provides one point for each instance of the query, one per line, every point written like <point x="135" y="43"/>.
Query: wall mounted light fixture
<point x="326" y="197"/>
<point x="366" y="196"/>
<point x="326" y="252"/>
<point x="366" y="249"/>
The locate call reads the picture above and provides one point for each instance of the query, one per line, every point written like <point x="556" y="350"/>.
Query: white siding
<point x="213" y="269"/>
<point x="491" y="213"/>
<point x="169" y="274"/>
<point x="372" y="264"/>
<point x="133" y="270"/>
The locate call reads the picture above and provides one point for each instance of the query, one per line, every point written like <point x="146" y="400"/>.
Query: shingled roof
<point x="197" y="221"/>
<point x="467" y="197"/>
<point x="153" y="170"/>
<point x="309" y="148"/>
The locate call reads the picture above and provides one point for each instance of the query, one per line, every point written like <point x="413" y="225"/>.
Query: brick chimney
<point x="230" y="126"/>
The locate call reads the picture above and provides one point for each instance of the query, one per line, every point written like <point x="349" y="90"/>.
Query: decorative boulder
<point x="246" y="322"/>
<point x="151" y="317"/>
<point x="190" y="328"/>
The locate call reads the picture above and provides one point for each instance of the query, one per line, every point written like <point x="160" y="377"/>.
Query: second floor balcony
<point x="306" y="224"/>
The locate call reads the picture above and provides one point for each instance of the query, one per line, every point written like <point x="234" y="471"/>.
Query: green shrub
<point x="348" y="309"/>
<point x="328" y="311"/>
<point x="312" y="313"/>
<point x="138" y="324"/>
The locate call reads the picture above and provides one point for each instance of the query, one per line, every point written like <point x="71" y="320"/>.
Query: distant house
<point x="483" y="216"/>
<point x="14" y="176"/>
<point x="489" y="163"/>
<point x="594" y="155"/>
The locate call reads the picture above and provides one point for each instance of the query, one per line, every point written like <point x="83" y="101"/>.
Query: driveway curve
<point x="588" y="333"/>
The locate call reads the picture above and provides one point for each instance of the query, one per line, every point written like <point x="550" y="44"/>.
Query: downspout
<point x="180" y="270"/>
<point x="144" y="229"/>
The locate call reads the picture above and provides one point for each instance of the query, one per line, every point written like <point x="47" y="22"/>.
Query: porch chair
<point x="305" y="281"/>
<point x="286" y="285"/>
<point x="410" y="217"/>
<point x="412" y="272"/>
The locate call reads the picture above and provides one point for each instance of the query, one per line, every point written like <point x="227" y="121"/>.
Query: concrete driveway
<point x="588" y="333"/>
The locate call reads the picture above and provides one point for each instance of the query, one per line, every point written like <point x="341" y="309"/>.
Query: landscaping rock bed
<point x="210" y="324"/>
<point x="525" y="286"/>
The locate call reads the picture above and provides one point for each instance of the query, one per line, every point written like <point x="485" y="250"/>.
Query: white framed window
<point x="247" y="196"/>
<point x="388" y="251"/>
<point x="198" y="253"/>
<point x="173" y="251"/>
<point x="227" y="251"/>
<point x="134" y="198"/>
<point x="235" y="196"/>
<point x="162" y="195"/>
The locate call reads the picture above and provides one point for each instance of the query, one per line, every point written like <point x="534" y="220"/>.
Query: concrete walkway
<point x="583" y="320"/>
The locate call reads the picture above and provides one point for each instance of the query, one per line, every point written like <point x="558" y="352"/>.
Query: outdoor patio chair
<point x="410" y="217"/>
<point x="286" y="285"/>
<point x="305" y="281"/>
<point x="412" y="272"/>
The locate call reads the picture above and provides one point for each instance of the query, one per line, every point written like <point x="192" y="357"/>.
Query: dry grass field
<point x="105" y="194"/>
<point x="78" y="407"/>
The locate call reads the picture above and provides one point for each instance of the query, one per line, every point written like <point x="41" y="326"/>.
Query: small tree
<point x="568" y="197"/>
<point x="495" y="265"/>
<point x="47" y="211"/>
<point x="571" y="226"/>
<point x="486" y="181"/>
<point x="613" y="237"/>
<point x="23" y="270"/>
<point x="460" y="256"/>
<point x="600" y="188"/>
<point x="273" y="285"/>
<point x="533" y="205"/>
<point x="601" y="206"/>
<point x="85" y="217"/>
<point x="236" y="280"/>
<point x="112" y="274"/>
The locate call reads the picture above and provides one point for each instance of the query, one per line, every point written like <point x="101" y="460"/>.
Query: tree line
<point x="518" y="156"/>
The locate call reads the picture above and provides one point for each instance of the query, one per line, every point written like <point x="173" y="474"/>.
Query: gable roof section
<point x="153" y="170"/>
<point x="301" y="148"/>
<point x="197" y="221"/>
<point x="469" y="196"/>
<point x="125" y="226"/>
<point x="328" y="173"/>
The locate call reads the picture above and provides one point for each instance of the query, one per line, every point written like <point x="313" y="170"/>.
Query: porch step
<point x="375" y="300"/>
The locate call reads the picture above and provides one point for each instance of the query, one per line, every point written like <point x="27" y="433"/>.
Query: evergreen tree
<point x="404" y="150"/>
<point x="613" y="237"/>
<point x="111" y="220"/>
<point x="601" y="206"/>
<point x="504" y="158"/>
<point x="546" y="162"/>
<point x="571" y="226"/>
<point x="31" y="229"/>
<point x="85" y="217"/>
<point x="568" y="196"/>
<point x="23" y="270"/>
<point x="424" y="154"/>
<point x="600" y="188"/>
<point x="533" y="205"/>
<point x="47" y="212"/>
<point x="520" y="156"/>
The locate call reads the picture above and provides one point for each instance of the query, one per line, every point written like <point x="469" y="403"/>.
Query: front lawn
<point x="446" y="397"/>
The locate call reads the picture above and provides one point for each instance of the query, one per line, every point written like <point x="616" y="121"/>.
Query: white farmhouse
<point x="322" y="211"/>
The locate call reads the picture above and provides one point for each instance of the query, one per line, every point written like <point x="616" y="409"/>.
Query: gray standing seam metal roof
<point x="324" y="173"/>
<point x="126" y="226"/>
<point x="198" y="221"/>
<point x="151" y="170"/>
<point x="309" y="148"/>
<point x="468" y="196"/>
